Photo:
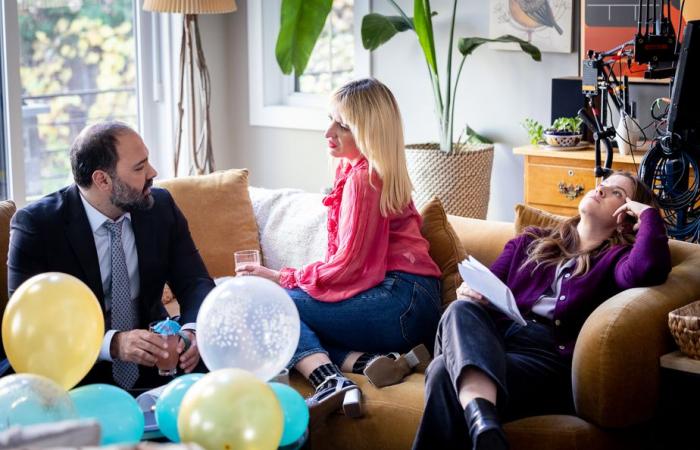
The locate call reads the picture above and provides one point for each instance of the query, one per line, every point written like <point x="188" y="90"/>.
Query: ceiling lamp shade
<point x="190" y="6"/>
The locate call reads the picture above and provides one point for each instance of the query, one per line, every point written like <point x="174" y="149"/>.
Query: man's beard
<point x="129" y="199"/>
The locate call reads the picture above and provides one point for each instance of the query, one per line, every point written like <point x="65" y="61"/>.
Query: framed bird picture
<point x="548" y="24"/>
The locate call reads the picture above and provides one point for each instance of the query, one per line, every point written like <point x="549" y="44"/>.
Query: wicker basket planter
<point x="462" y="180"/>
<point x="684" y="323"/>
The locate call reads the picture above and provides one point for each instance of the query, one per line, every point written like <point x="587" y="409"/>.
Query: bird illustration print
<point x="533" y="14"/>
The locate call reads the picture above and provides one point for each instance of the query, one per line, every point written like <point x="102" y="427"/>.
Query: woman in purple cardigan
<point x="558" y="277"/>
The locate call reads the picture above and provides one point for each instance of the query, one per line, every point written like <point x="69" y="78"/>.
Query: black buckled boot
<point x="484" y="427"/>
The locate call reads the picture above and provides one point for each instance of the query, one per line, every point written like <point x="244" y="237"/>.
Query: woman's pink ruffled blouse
<point x="363" y="245"/>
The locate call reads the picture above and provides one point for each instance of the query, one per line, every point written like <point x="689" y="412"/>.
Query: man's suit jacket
<point x="53" y="235"/>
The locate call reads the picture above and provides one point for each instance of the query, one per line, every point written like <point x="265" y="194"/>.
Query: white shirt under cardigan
<point x="104" y="257"/>
<point x="545" y="305"/>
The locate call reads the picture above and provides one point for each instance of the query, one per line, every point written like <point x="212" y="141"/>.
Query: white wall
<point x="497" y="91"/>
<point x="275" y="157"/>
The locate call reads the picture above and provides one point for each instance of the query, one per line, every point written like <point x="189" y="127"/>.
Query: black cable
<point x="675" y="201"/>
<point x="624" y="116"/>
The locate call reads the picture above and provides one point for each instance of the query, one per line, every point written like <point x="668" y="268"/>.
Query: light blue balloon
<point x="27" y="399"/>
<point x="296" y="413"/>
<point x="168" y="404"/>
<point x="117" y="412"/>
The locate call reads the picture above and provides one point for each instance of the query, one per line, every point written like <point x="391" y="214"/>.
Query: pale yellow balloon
<point x="53" y="326"/>
<point x="231" y="409"/>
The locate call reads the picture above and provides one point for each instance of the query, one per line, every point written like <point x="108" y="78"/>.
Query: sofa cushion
<point x="220" y="215"/>
<point x="484" y="240"/>
<point x="445" y="247"/>
<point x="527" y="216"/>
<point x="292" y="226"/>
<point x="390" y="416"/>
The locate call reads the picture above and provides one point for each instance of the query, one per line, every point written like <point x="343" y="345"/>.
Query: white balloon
<point x="248" y="323"/>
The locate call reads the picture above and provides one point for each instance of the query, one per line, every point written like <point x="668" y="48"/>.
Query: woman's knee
<point x="436" y="372"/>
<point x="459" y="309"/>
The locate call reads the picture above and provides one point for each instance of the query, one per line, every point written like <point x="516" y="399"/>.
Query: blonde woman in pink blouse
<point x="377" y="291"/>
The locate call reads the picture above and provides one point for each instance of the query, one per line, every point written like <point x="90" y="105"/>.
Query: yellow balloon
<point x="53" y="326"/>
<point x="231" y="409"/>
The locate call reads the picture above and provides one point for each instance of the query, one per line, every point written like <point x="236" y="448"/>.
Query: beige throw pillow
<point x="527" y="216"/>
<point x="445" y="247"/>
<point x="220" y="215"/>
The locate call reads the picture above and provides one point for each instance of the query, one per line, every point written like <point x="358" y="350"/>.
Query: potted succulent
<point x="564" y="132"/>
<point x="457" y="172"/>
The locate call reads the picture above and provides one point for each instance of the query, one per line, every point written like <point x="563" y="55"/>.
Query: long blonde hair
<point x="562" y="242"/>
<point x="370" y="110"/>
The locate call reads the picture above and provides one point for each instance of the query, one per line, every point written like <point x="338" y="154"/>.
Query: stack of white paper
<point x="483" y="281"/>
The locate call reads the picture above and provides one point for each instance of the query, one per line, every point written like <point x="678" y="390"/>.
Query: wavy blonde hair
<point x="562" y="242"/>
<point x="370" y="110"/>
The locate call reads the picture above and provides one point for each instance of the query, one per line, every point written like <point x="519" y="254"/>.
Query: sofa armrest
<point x="484" y="239"/>
<point x="616" y="373"/>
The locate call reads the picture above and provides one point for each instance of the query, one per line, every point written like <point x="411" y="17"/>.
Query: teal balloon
<point x="296" y="413"/>
<point x="168" y="404"/>
<point x="27" y="399"/>
<point x="120" y="417"/>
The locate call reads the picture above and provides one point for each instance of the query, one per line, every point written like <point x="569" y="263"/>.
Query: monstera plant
<point x="301" y="24"/>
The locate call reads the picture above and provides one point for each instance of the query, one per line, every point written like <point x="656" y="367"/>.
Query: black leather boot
<point x="484" y="427"/>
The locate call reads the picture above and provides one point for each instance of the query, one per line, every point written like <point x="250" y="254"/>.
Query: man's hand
<point x="259" y="271"/>
<point x="138" y="346"/>
<point x="190" y="358"/>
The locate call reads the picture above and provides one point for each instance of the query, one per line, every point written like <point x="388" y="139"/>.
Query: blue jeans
<point x="396" y="315"/>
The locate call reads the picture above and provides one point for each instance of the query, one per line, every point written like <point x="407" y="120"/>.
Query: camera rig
<point x="667" y="166"/>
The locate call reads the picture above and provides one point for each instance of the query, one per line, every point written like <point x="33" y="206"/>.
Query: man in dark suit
<point x="125" y="240"/>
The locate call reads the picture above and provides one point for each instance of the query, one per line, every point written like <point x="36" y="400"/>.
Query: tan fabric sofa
<point x="616" y="374"/>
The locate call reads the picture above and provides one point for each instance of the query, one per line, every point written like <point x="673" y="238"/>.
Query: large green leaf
<point x="422" y="20"/>
<point x="468" y="45"/>
<point x="377" y="29"/>
<point x="301" y="24"/>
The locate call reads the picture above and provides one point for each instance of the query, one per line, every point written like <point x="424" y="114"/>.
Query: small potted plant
<point x="564" y="132"/>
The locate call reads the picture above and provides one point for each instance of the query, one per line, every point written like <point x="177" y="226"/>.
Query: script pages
<point x="482" y="280"/>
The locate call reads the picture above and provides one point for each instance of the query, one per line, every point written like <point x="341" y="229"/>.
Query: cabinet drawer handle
<point x="570" y="191"/>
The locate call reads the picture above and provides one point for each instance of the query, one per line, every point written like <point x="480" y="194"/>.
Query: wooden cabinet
<point x="555" y="180"/>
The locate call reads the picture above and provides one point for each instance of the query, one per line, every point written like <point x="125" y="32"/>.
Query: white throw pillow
<point x="292" y="226"/>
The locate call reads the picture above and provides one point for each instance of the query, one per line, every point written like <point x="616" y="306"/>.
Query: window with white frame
<point x="69" y="63"/>
<point x="332" y="62"/>
<point x="286" y="101"/>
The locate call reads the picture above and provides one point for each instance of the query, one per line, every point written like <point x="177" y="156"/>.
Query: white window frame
<point x="155" y="35"/>
<point x="272" y="100"/>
